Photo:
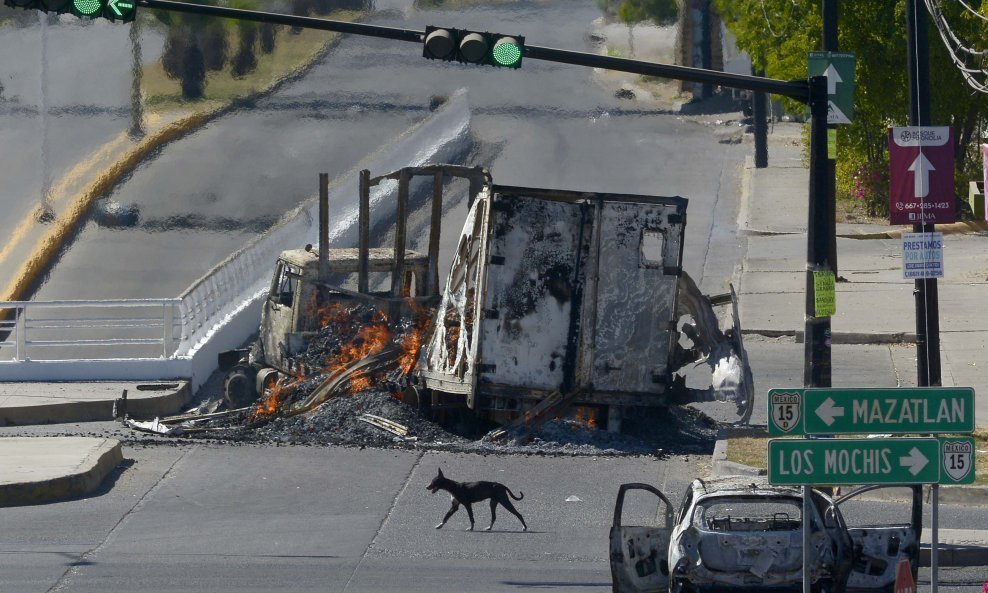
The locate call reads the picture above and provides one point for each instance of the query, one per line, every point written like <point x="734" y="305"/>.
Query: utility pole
<point x="830" y="45"/>
<point x="760" y="126"/>
<point x="927" y="301"/>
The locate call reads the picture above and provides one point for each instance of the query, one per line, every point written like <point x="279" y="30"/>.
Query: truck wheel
<point x="238" y="388"/>
<point x="423" y="401"/>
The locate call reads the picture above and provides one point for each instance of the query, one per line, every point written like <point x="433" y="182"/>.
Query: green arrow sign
<point x="119" y="9"/>
<point x="903" y="410"/>
<point x="871" y="461"/>
<point x="892" y="411"/>
<point x="839" y="69"/>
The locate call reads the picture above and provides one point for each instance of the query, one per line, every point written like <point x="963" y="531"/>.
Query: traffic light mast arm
<point x="798" y="89"/>
<point x="286" y="19"/>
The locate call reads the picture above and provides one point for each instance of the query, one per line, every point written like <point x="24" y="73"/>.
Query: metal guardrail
<point x="92" y="330"/>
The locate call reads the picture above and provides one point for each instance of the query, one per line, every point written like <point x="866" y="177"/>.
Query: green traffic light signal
<point x="90" y="8"/>
<point x="507" y="52"/>
<point x="122" y="10"/>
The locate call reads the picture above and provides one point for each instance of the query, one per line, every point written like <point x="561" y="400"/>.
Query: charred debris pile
<point x="349" y="391"/>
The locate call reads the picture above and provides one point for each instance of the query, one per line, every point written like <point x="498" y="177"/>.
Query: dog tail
<point x="520" y="496"/>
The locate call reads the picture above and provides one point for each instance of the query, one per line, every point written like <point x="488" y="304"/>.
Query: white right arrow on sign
<point x="915" y="461"/>
<point x="921" y="168"/>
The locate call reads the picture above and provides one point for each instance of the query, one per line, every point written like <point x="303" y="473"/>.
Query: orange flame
<point x="271" y="403"/>
<point x="370" y="340"/>
<point x="585" y="416"/>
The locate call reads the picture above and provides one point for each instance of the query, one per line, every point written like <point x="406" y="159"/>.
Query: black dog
<point x="467" y="493"/>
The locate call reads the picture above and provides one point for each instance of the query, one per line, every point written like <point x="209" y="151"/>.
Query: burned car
<point x="743" y="533"/>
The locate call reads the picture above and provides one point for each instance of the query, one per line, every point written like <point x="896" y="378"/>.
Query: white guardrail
<point x="164" y="339"/>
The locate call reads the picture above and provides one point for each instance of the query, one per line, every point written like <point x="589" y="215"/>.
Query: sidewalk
<point x="875" y="305"/>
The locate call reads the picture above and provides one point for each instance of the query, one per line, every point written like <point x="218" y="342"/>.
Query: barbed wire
<point x="768" y="21"/>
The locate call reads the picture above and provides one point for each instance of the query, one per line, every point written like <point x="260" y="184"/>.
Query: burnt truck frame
<point x="578" y="296"/>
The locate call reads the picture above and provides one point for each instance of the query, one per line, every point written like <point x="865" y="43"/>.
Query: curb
<point x="88" y="410"/>
<point x="97" y="464"/>
<point x="839" y="337"/>
<point x="955" y="228"/>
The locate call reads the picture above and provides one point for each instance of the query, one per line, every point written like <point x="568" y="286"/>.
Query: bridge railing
<point x="93" y="330"/>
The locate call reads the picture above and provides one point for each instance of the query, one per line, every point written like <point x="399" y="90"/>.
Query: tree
<point x="184" y="57"/>
<point x="245" y="60"/>
<point x="778" y="35"/>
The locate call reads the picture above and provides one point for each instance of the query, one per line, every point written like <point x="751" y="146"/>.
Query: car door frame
<point x="649" y="573"/>
<point x="861" y="535"/>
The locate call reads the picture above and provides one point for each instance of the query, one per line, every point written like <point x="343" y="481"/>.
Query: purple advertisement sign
<point x="921" y="168"/>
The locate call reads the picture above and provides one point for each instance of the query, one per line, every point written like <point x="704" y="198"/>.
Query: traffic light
<point x="472" y="47"/>
<point x="122" y="10"/>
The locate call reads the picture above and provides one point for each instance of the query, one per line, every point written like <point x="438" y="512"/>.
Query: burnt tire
<point x="238" y="388"/>
<point x="423" y="401"/>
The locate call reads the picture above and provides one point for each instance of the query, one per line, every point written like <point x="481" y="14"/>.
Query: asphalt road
<point x="213" y="518"/>
<point x="66" y="94"/>
<point x="218" y="518"/>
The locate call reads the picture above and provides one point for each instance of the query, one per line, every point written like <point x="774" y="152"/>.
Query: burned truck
<point x="553" y="298"/>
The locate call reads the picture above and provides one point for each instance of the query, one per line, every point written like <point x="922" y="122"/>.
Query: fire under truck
<point x="553" y="297"/>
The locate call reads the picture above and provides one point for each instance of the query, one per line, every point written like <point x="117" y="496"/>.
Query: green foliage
<point x="630" y="12"/>
<point x="778" y="35"/>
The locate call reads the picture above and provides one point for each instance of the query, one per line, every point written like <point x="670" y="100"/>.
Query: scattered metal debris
<point x="388" y="425"/>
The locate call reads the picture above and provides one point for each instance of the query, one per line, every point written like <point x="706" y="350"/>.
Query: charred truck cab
<point x="577" y="297"/>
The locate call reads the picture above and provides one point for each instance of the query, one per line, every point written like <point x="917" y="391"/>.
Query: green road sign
<point x="902" y="410"/>
<point x="838" y="67"/>
<point x="892" y="411"/>
<point x="871" y="461"/>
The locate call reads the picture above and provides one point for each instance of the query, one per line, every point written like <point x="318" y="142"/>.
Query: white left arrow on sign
<point x="921" y="169"/>
<point x="915" y="461"/>
<point x="827" y="411"/>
